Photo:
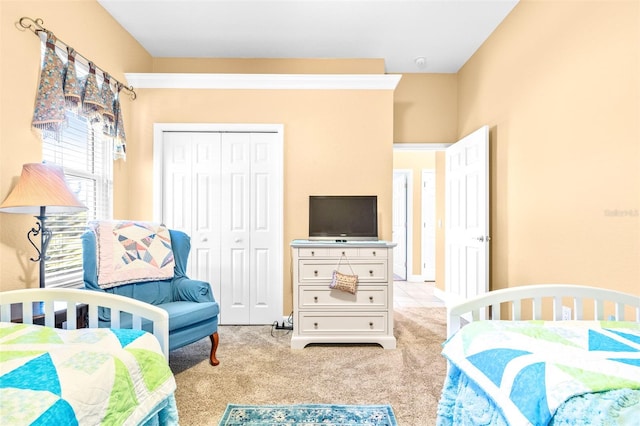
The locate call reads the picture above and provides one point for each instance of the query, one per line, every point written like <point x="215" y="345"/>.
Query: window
<point x="86" y="157"/>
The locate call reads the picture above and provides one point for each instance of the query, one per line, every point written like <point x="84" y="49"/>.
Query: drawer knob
<point x="315" y="273"/>
<point x="315" y="299"/>
<point x="370" y="325"/>
<point x="313" y="253"/>
<point x="343" y="253"/>
<point x="370" y="272"/>
<point x="371" y="299"/>
<point x="374" y="253"/>
<point x="315" y="325"/>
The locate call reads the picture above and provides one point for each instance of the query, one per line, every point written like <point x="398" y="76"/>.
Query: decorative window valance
<point x="95" y="95"/>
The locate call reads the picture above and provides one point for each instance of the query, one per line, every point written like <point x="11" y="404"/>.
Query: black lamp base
<point x="45" y="237"/>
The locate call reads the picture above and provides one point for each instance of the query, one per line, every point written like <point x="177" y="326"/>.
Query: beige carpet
<point x="258" y="368"/>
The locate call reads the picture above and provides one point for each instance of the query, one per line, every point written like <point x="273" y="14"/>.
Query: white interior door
<point x="191" y="186"/>
<point x="250" y="244"/>
<point x="399" y="220"/>
<point x="235" y="205"/>
<point x="225" y="191"/>
<point x="266" y="227"/>
<point x="429" y="225"/>
<point x="467" y="216"/>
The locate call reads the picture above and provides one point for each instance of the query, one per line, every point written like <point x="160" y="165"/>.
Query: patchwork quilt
<point x="131" y="252"/>
<point x="529" y="369"/>
<point x="101" y="376"/>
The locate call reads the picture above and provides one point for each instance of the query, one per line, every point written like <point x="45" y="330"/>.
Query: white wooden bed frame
<point x="477" y="308"/>
<point x="93" y="300"/>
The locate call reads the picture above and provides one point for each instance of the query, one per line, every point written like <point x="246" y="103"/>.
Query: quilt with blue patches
<point x="82" y="377"/>
<point x="529" y="369"/>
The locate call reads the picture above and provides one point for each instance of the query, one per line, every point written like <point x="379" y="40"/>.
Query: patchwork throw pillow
<point x="130" y="252"/>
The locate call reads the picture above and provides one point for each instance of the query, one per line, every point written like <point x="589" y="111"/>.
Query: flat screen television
<point x="343" y="217"/>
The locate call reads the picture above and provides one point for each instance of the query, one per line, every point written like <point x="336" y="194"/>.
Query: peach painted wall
<point x="426" y="108"/>
<point x="268" y="66"/>
<point x="335" y="142"/>
<point x="559" y="85"/>
<point x="87" y="27"/>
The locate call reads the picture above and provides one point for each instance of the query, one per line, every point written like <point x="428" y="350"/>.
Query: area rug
<point x="308" y="415"/>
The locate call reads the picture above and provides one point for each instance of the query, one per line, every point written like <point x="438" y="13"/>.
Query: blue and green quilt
<point x="79" y="377"/>
<point x="529" y="369"/>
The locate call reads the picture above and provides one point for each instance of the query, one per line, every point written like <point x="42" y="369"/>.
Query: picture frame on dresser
<point x="325" y="315"/>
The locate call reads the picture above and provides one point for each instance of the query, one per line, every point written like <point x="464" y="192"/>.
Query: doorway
<point x="401" y="219"/>
<point x="418" y="163"/>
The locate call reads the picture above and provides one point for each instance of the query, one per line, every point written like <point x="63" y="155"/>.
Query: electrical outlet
<point x="566" y="313"/>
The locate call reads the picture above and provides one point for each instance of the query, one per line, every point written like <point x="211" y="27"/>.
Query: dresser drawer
<point x="321" y="271"/>
<point x="373" y="252"/>
<point x="367" y="297"/>
<point x="344" y="251"/>
<point x="313" y="252"/>
<point x="342" y="323"/>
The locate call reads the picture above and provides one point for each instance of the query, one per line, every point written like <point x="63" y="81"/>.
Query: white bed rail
<point x="56" y="299"/>
<point x="489" y="305"/>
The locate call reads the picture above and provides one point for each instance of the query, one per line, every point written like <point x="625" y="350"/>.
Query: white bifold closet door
<point x="224" y="189"/>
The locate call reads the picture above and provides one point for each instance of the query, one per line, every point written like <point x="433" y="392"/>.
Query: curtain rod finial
<point x="34" y="25"/>
<point x="129" y="89"/>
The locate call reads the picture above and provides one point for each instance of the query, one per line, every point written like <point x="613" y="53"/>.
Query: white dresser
<point x="325" y="315"/>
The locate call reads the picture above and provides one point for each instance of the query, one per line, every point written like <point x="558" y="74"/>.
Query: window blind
<point x="85" y="156"/>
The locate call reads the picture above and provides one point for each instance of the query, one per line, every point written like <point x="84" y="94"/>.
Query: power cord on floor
<point x="285" y="326"/>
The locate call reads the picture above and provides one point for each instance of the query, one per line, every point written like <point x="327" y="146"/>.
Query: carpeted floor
<point x="257" y="367"/>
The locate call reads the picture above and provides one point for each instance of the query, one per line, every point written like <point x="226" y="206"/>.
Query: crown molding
<point x="264" y="81"/>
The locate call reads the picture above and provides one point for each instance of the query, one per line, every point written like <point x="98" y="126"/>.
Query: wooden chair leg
<point x="214" y="347"/>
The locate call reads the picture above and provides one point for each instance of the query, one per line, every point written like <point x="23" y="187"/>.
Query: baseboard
<point x="415" y="278"/>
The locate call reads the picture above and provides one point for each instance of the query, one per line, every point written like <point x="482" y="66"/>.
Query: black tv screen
<point x="343" y="217"/>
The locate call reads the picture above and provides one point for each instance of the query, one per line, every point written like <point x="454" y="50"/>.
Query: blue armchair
<point x="193" y="310"/>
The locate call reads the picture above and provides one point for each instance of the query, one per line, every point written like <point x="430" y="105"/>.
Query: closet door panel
<point x="191" y="194"/>
<point x="265" y="235"/>
<point x="235" y="228"/>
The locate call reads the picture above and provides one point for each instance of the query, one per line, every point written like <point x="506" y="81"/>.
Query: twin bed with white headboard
<point x="88" y="375"/>
<point x="543" y="354"/>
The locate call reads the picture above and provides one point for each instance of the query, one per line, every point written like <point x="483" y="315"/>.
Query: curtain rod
<point x="36" y="27"/>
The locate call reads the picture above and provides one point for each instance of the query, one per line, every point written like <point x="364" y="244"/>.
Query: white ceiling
<point x="445" y="32"/>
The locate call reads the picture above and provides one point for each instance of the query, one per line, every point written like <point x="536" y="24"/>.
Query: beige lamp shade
<point x="41" y="185"/>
